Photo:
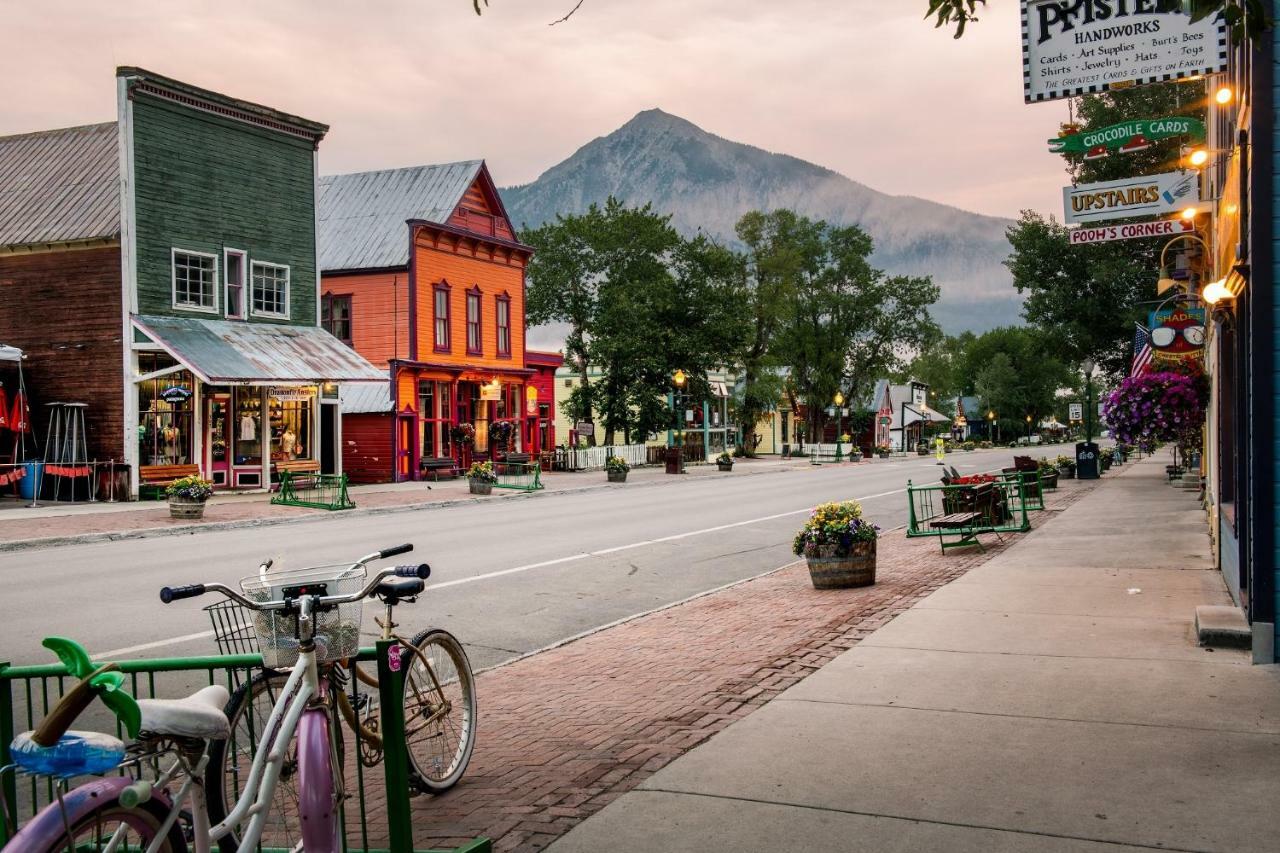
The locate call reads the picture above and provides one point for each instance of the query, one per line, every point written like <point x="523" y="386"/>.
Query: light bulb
<point x="1224" y="95"/>
<point x="1198" y="157"/>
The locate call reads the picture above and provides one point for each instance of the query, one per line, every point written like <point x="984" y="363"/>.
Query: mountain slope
<point x="707" y="182"/>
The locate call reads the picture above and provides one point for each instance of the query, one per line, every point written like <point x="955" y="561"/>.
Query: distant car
<point x="1035" y="439"/>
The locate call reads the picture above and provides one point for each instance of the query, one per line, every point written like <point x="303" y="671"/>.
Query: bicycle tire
<point x="440" y="748"/>
<point x="145" y="819"/>
<point x="247" y="711"/>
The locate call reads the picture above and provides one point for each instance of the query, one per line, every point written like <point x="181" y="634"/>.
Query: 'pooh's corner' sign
<point x="1148" y="195"/>
<point x="1076" y="47"/>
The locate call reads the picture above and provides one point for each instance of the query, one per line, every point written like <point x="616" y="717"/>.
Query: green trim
<point x="524" y="476"/>
<point x="395" y="751"/>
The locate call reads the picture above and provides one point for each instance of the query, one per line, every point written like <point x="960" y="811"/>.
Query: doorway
<point x="218" y="417"/>
<point x="329" y="438"/>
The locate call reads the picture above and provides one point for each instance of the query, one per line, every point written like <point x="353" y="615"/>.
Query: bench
<point x="438" y="467"/>
<point x="303" y="471"/>
<point x="964" y="522"/>
<point x="157" y="477"/>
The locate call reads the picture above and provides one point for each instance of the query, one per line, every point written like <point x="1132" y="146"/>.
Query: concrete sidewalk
<point x="1053" y="699"/>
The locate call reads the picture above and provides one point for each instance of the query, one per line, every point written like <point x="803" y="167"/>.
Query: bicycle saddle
<point x="199" y="715"/>
<point x="399" y="588"/>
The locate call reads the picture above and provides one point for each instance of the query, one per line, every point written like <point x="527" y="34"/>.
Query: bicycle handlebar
<point x="422" y="570"/>
<point x="387" y="553"/>
<point x="171" y="594"/>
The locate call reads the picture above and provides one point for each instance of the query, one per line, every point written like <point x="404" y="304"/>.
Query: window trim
<point x="444" y="287"/>
<point x="475" y="291"/>
<point x="288" y="280"/>
<point x="499" y="300"/>
<point x="227" y="252"/>
<point x="326" y="303"/>
<point x="173" y="281"/>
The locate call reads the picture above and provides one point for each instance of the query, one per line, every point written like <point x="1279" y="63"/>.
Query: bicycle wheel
<point x="439" y="711"/>
<point x="97" y="827"/>
<point x="230" y="762"/>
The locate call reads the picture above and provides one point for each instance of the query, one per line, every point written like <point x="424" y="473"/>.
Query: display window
<point x="165" y="413"/>
<point x="434" y="414"/>
<point x="247" y="428"/>
<point x="290" y="411"/>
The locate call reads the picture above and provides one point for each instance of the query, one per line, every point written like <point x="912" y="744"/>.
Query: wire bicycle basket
<point x="233" y="628"/>
<point x="337" y="631"/>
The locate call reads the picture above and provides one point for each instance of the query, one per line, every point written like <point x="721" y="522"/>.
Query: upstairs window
<point x="195" y="277"/>
<point x="503" y="314"/>
<point x="473" y="322"/>
<point x="335" y="316"/>
<point x="233" y="282"/>
<point x="440" y="299"/>
<point x="270" y="290"/>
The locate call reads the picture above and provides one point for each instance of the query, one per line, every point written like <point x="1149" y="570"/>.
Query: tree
<point x="1015" y="373"/>
<point x="940" y="365"/>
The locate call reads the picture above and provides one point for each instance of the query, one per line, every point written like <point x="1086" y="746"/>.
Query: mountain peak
<point x="658" y="120"/>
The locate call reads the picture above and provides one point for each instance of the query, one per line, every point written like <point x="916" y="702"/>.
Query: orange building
<point x="422" y="274"/>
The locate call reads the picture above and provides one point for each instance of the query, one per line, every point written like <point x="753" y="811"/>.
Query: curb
<point x="245" y="523"/>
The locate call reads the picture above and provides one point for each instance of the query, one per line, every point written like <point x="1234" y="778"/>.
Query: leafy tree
<point x="1015" y="373"/>
<point x="940" y="364"/>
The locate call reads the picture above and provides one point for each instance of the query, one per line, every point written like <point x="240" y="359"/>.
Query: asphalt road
<point x="509" y="577"/>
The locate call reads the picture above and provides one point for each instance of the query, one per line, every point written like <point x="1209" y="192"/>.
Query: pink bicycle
<point x="309" y="611"/>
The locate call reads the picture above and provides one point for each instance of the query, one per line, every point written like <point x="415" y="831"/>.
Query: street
<point x="509" y="577"/>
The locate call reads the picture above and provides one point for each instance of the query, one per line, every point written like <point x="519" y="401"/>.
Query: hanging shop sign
<point x="584" y="428"/>
<point x="1075" y="411"/>
<point x="1107" y="233"/>
<point x="1126" y="137"/>
<point x="291" y="394"/>
<point x="1146" y="195"/>
<point x="530" y="400"/>
<point x="1089" y="46"/>
<point x="1177" y="333"/>
<point x="491" y="391"/>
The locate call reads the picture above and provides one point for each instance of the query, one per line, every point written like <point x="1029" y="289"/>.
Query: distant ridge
<point x="705" y="181"/>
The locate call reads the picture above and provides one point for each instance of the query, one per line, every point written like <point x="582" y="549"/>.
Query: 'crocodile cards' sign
<point x="1147" y="195"/>
<point x="1127" y="136"/>
<point x="1074" y="47"/>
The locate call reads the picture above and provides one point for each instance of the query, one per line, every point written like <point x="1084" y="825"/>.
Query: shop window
<point x="233" y="283"/>
<point x="503" y="314"/>
<point x="473" y="322"/>
<point x="165" y="407"/>
<point x="246" y="430"/>
<point x="195" y="277"/>
<point x="270" y="289"/>
<point x="335" y="316"/>
<point x="441" y="305"/>
<point x="291" y="410"/>
<point x="434" y="422"/>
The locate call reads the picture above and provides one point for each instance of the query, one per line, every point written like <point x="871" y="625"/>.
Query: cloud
<point x="870" y="90"/>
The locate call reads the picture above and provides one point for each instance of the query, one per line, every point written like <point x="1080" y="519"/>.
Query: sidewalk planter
<point x="1067" y="472"/>
<point x="481" y="477"/>
<point x="724" y="466"/>
<point x="186" y="509"/>
<point x="617" y="476"/>
<point x="187" y="497"/>
<point x="480" y="488"/>
<point x="857" y="569"/>
<point x="616" y="469"/>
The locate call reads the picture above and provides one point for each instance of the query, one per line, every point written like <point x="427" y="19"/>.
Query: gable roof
<point x="59" y="186"/>
<point x="361" y="216"/>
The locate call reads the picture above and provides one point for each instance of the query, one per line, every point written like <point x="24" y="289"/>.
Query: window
<point x="503" y="312"/>
<point x="270" y="289"/>
<point x="233" y="282"/>
<point x="441" y="297"/>
<point x="433" y="414"/>
<point x="165" y="413"/>
<point x="473" y="322"/>
<point x="195" y="278"/>
<point x="335" y="316"/>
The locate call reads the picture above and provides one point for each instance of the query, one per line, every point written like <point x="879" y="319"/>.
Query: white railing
<point x="594" y="457"/>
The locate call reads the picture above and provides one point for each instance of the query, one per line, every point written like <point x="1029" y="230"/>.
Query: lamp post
<point x="992" y="427"/>
<point x="1087" y="451"/>
<point x="1028" y="430"/>
<point x="839" y="401"/>
<point x="1088" y="365"/>
<point x="676" y="466"/>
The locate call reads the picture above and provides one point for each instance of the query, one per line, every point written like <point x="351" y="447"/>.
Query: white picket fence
<point x="594" y="457"/>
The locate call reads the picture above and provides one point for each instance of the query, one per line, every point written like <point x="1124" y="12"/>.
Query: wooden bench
<point x="158" y="477"/>
<point x="964" y="522"/>
<point x="303" y="471"/>
<point x="438" y="467"/>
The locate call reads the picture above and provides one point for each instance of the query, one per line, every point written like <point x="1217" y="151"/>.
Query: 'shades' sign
<point x="1147" y="195"/>
<point x="1127" y="136"/>
<point x="1177" y="333"/>
<point x="1076" y="47"/>
<point x="1107" y="233"/>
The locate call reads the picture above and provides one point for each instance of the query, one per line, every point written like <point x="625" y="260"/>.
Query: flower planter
<point x="1067" y="472"/>
<point x="1049" y="479"/>
<point x="1106" y="463"/>
<point x="922" y="450"/>
<point x="186" y="509"/>
<point x="480" y="488"/>
<point x="883" y="454"/>
<point x="617" y="476"/>
<point x="857" y="569"/>
<point x="725" y="466"/>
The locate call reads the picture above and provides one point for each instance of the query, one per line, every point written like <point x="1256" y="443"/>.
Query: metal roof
<point x="362" y="216"/>
<point x="59" y="185"/>
<point x="365" y="397"/>
<point x="220" y="351"/>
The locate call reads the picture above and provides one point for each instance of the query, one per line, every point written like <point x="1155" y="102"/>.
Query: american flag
<point x="1141" y="350"/>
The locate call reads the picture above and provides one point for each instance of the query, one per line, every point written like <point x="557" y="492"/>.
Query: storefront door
<point x="217" y="417"/>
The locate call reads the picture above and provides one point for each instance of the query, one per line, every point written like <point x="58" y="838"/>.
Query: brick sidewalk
<point x="565" y="732"/>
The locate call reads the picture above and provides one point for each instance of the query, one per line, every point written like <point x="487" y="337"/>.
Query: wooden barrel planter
<point x="186" y="509"/>
<point x="479" y="487"/>
<point x="617" y="476"/>
<point x="725" y="466"/>
<point x="857" y="569"/>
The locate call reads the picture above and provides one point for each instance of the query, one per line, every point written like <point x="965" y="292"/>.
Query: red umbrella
<point x="20" y="417"/>
<point x="4" y="409"/>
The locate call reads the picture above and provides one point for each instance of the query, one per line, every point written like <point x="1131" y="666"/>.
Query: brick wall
<point x="63" y="310"/>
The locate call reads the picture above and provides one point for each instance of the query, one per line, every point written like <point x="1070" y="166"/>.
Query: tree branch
<point x="576" y="7"/>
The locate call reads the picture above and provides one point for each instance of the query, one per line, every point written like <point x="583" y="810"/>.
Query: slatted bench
<point x="158" y="477"/>
<point x="303" y="471"/>
<point x="964" y="522"/>
<point x="438" y="468"/>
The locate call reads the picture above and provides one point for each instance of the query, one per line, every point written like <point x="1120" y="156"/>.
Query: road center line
<point x="570" y="558"/>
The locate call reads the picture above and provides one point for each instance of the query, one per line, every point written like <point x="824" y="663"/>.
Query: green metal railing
<point x="1004" y="510"/>
<point x="27" y="693"/>
<point x="525" y="476"/>
<point x="320" y="491"/>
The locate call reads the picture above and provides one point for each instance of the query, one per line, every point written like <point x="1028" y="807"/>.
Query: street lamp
<point x="677" y="413"/>
<point x="1088" y="366"/>
<point x="992" y="425"/>
<point x="839" y="401"/>
<point x="1028" y="430"/>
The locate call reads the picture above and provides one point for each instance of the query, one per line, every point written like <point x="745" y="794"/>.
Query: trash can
<point x="1086" y="460"/>
<point x="673" y="461"/>
<point x="27" y="485"/>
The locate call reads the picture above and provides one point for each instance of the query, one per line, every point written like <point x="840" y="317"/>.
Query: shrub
<point x="739" y="451"/>
<point x="985" y="445"/>
<point x="1066" y="462"/>
<point x="832" y="530"/>
<point x="616" y="464"/>
<point x="969" y="445"/>
<point x="724" y="459"/>
<point x="482" y="472"/>
<point x="193" y="488"/>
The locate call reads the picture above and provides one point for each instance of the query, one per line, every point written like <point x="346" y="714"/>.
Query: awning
<point x="221" y="352"/>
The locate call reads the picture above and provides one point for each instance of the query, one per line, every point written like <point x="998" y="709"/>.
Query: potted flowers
<point x="481" y="477"/>
<point x="616" y="468"/>
<point x="1048" y="473"/>
<point x="187" y="497"/>
<point x="463" y="435"/>
<point x="882" y="450"/>
<point x="839" y="546"/>
<point x="1066" y="467"/>
<point x="724" y="462"/>
<point x="1105" y="456"/>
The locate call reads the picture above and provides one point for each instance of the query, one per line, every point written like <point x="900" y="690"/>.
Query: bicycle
<point x="173" y="738"/>
<point x="439" y="710"/>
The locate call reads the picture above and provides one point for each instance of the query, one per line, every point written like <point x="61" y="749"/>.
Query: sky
<point x="865" y="87"/>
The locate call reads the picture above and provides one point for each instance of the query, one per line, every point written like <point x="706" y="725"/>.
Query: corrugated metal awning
<point x="365" y="397"/>
<point x="220" y="352"/>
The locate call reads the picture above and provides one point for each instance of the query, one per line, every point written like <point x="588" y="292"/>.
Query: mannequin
<point x="288" y="443"/>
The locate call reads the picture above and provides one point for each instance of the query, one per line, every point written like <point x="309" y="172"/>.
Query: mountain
<point x="705" y="181"/>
